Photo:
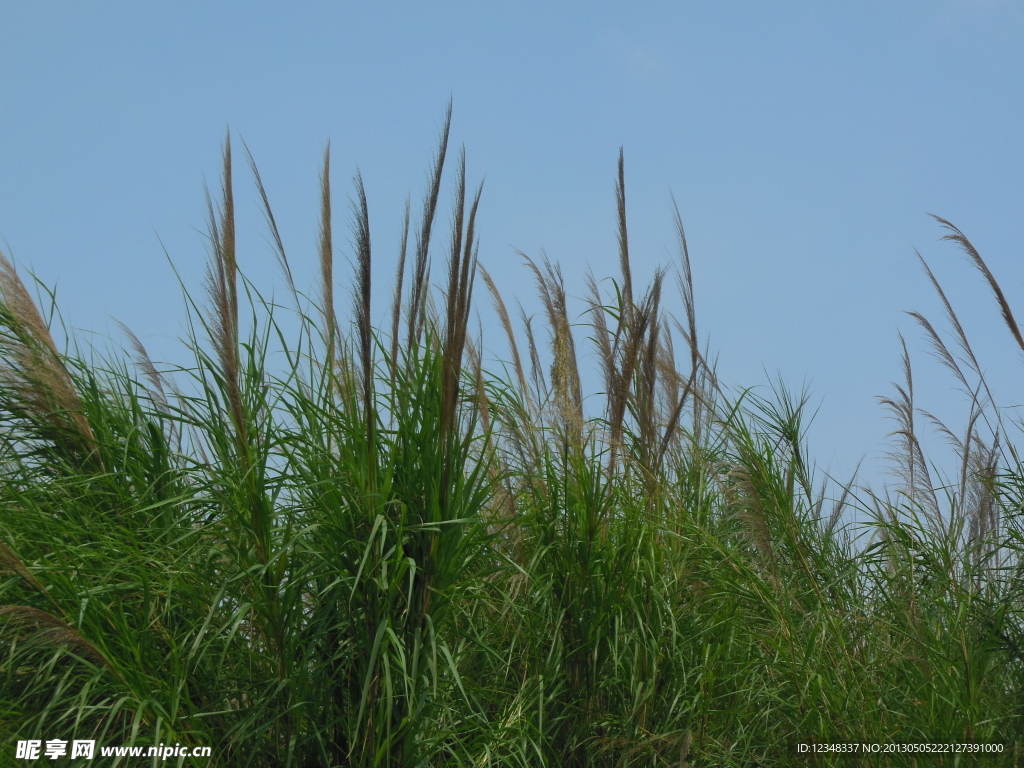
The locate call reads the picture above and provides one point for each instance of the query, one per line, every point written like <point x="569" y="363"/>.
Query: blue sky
<point x="805" y="144"/>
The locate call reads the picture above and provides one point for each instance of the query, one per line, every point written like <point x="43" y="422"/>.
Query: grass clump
<point x="378" y="553"/>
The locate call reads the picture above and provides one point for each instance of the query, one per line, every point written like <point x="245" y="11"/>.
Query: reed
<point x="380" y="553"/>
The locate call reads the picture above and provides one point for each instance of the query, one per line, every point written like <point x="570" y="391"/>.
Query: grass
<point x="378" y="553"/>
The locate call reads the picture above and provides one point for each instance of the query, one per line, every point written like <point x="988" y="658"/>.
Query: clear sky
<point x="805" y="143"/>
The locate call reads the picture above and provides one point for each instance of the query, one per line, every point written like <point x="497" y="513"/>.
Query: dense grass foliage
<point x="374" y="552"/>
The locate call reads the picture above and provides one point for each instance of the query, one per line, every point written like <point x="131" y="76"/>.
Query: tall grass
<point x="379" y="553"/>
